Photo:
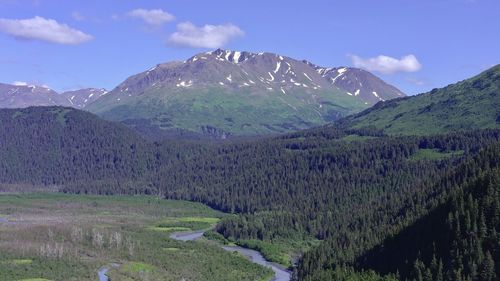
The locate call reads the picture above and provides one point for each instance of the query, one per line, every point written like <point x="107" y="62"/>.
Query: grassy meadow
<point x="52" y="236"/>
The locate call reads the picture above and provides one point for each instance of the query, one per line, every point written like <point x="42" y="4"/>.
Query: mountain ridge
<point x="472" y="103"/>
<point x="241" y="93"/>
<point x="23" y="96"/>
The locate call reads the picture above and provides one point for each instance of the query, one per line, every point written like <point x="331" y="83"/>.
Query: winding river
<point x="104" y="270"/>
<point x="102" y="273"/>
<point x="280" y="273"/>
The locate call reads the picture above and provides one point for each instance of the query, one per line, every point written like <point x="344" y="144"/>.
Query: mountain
<point x="22" y="96"/>
<point x="83" y="97"/>
<point x="470" y="104"/>
<point x="226" y="92"/>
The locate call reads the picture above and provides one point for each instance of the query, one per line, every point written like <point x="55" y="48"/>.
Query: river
<point x="280" y="273"/>
<point x="104" y="270"/>
<point x="102" y="273"/>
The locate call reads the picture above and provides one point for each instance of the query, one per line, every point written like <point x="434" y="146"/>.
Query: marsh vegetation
<point x="47" y="236"/>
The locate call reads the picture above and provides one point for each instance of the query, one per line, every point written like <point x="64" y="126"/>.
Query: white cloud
<point x="155" y="17"/>
<point x="19" y="83"/>
<point x="207" y="36"/>
<point x="30" y="84"/>
<point x="386" y="64"/>
<point x="42" y="29"/>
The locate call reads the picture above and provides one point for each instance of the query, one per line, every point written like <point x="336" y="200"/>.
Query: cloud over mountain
<point x="387" y="65"/>
<point x="207" y="36"/>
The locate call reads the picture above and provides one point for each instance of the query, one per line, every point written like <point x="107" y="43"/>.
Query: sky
<point x="416" y="45"/>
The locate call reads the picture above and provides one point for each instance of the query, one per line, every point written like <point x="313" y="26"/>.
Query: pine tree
<point x="487" y="268"/>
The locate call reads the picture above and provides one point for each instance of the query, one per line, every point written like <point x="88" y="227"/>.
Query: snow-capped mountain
<point x="83" y="97"/>
<point x="20" y="96"/>
<point x="359" y="82"/>
<point x="262" y="71"/>
<point x="24" y="95"/>
<point x="241" y="93"/>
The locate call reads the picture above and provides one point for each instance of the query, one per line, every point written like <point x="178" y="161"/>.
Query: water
<point x="102" y="273"/>
<point x="280" y="274"/>
<point x="104" y="270"/>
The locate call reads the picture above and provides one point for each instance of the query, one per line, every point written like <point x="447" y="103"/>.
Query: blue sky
<point x="99" y="43"/>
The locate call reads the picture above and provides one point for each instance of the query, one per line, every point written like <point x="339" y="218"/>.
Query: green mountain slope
<point x="224" y="93"/>
<point x="471" y="104"/>
<point x="220" y="112"/>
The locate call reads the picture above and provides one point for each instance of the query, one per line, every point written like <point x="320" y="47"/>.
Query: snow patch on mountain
<point x="278" y="65"/>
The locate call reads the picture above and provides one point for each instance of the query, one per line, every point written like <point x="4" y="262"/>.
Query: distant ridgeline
<point x="386" y="207"/>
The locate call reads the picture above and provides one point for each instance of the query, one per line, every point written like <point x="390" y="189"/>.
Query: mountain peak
<point x="223" y="55"/>
<point x="241" y="93"/>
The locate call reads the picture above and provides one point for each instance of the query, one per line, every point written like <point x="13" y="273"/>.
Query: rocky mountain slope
<point x="224" y="92"/>
<point x="21" y="96"/>
<point x="83" y="97"/>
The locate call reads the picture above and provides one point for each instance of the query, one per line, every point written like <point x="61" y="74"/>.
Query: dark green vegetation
<point x="68" y="237"/>
<point x="472" y="103"/>
<point x="54" y="145"/>
<point x="360" y="192"/>
<point x="463" y="243"/>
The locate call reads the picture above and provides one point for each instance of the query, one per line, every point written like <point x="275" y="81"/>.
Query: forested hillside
<point x="56" y="145"/>
<point x="400" y="251"/>
<point x="458" y="240"/>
